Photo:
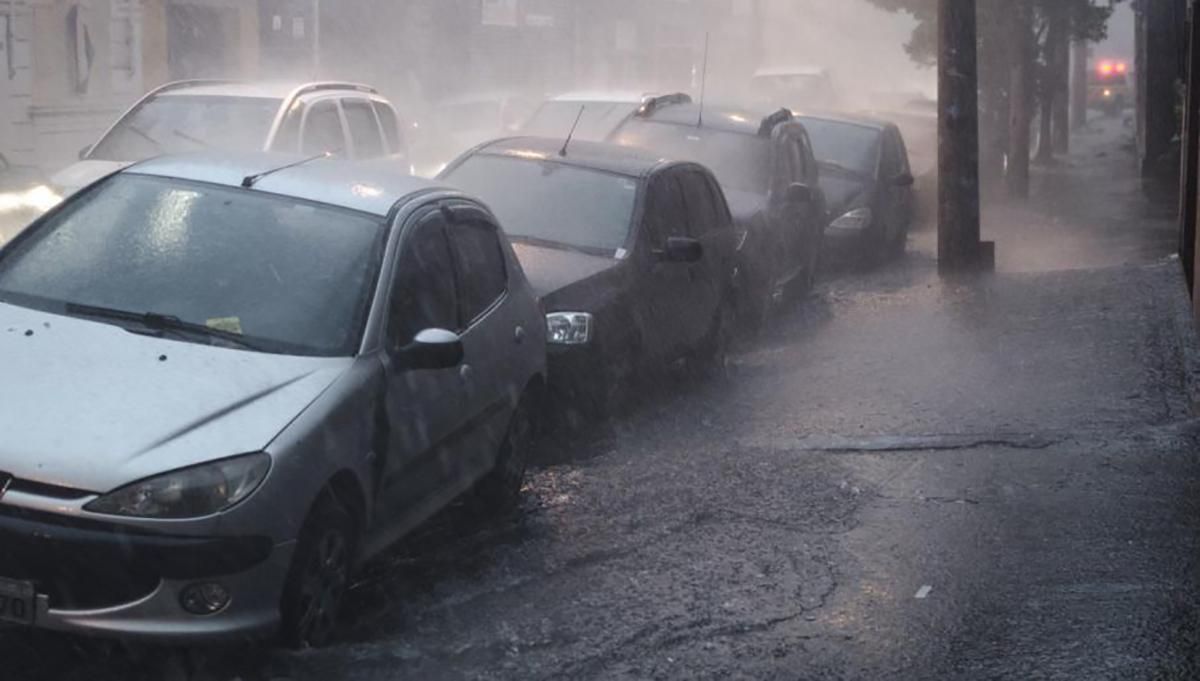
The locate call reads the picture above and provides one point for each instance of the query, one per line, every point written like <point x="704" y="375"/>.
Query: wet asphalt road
<point x="905" y="478"/>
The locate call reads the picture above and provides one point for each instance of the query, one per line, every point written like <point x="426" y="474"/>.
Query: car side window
<point x="287" y="138"/>
<point x="364" y="129"/>
<point x="666" y="213"/>
<point x="795" y="160"/>
<point x="391" y="127"/>
<point x="323" y="130"/>
<point x="701" y="211"/>
<point x="890" y="164"/>
<point x="479" y="258"/>
<point x="424" y="295"/>
<point x="902" y="153"/>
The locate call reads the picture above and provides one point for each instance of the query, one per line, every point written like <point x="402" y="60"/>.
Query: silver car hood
<point x="93" y="407"/>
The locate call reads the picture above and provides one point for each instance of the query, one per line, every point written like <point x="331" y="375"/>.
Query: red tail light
<point x="1107" y="68"/>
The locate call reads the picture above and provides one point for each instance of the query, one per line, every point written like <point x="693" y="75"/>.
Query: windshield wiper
<point x="558" y="245"/>
<point x="189" y="138"/>
<point x="832" y="165"/>
<point x="144" y="135"/>
<point x="159" y="323"/>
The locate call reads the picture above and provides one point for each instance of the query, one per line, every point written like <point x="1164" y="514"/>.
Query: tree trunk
<point x="1062" y="90"/>
<point x="1079" y="84"/>
<point x="1052" y="88"/>
<point x="1021" y="100"/>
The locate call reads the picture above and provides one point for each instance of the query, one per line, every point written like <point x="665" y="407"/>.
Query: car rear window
<point x="548" y="201"/>
<point x="174" y="124"/>
<point x="740" y="161"/>
<point x="292" y="275"/>
<point x="847" y="145"/>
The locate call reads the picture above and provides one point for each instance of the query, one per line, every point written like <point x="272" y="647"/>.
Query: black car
<point x="633" y="256"/>
<point x="765" y="165"/>
<point x="867" y="182"/>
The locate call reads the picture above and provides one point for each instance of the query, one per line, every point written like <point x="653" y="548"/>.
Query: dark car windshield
<point x="599" y="119"/>
<point x="740" y="161"/>
<point x="292" y="275"/>
<point x="849" y="146"/>
<point x="542" y="200"/>
<point x="173" y="124"/>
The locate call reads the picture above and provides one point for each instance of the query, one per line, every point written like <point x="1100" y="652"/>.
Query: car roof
<point x="262" y="90"/>
<point x="791" y="71"/>
<point x="617" y="96"/>
<point x="583" y="154"/>
<point x="725" y="119"/>
<point x="370" y="187"/>
<point x="861" y="120"/>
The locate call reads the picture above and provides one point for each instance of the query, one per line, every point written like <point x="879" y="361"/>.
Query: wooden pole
<point x="958" y="132"/>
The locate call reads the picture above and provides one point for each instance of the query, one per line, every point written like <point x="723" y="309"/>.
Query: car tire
<point x="500" y="490"/>
<point x="711" y="358"/>
<point x="319" y="577"/>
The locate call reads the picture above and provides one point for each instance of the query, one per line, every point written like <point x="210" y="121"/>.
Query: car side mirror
<point x="432" y="349"/>
<point x="83" y="153"/>
<point x="799" y="193"/>
<point x="681" y="249"/>
<point x="904" y="180"/>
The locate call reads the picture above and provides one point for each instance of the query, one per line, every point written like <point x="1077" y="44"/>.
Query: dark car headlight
<point x="569" y="328"/>
<point x="855" y="220"/>
<point x="188" y="493"/>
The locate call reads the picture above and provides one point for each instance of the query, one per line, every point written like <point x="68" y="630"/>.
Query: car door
<point x="491" y="327"/>
<point x="664" y="287"/>
<point x="424" y="409"/>
<point x="705" y="282"/>
<point x="324" y="131"/>
<point x="891" y="203"/>
<point x="366" y="137"/>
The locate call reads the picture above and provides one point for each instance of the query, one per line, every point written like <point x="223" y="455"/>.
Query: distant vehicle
<point x="794" y="87"/>
<point x="868" y="185"/>
<point x="602" y="113"/>
<point x="1108" y="87"/>
<point x="456" y="124"/>
<point x="344" y="119"/>
<point x="767" y="169"/>
<point x="633" y="257"/>
<point x="269" y="376"/>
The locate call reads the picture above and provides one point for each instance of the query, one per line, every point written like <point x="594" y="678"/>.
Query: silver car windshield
<point x="173" y="124"/>
<point x="280" y="274"/>
<point x="540" y="200"/>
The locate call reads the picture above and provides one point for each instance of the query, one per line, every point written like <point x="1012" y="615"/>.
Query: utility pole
<point x="959" y="248"/>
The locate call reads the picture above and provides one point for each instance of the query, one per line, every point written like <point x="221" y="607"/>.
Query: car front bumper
<point x="98" y="579"/>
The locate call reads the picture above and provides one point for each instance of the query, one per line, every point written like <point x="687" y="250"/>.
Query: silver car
<point x="228" y="380"/>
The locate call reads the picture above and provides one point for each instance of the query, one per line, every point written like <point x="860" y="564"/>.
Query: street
<point x="904" y="478"/>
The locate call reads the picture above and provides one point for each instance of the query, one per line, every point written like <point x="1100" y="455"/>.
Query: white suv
<point x="344" y="119"/>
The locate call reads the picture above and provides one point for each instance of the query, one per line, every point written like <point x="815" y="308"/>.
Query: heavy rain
<point x="582" y="339"/>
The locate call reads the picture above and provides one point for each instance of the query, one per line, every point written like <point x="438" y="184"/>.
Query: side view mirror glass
<point x="904" y="180"/>
<point x="83" y="153"/>
<point x="799" y="193"/>
<point x="432" y="349"/>
<point x="682" y="249"/>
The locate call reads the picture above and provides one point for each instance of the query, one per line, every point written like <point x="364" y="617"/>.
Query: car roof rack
<point x="654" y="103"/>
<point x="774" y="120"/>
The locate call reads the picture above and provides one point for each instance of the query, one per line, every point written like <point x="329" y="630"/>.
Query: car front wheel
<point x="500" y="490"/>
<point x="319" y="577"/>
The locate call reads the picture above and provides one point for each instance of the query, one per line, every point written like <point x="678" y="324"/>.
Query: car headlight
<point x="188" y="493"/>
<point x="568" y="328"/>
<point x="856" y="220"/>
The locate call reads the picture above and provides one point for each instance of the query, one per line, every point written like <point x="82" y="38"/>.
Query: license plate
<point x="16" y="601"/>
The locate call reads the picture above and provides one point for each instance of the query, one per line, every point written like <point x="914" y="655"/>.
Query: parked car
<point x="794" y="86"/>
<point x="270" y="372"/>
<point x="458" y="123"/>
<point x="766" y="168"/>
<point x="599" y="113"/>
<point x="868" y="185"/>
<point x="344" y="119"/>
<point x="632" y="256"/>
